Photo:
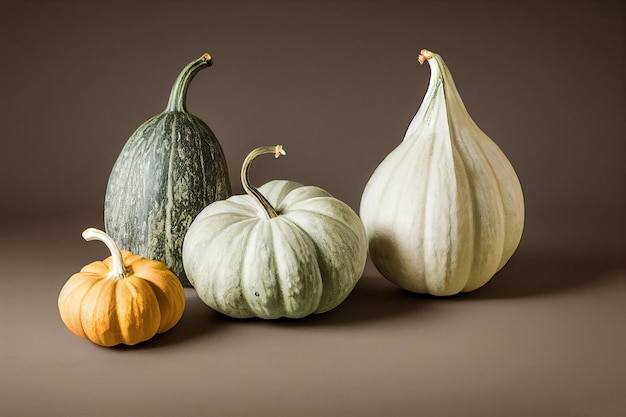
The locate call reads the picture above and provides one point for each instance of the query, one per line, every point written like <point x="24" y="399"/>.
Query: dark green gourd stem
<point x="118" y="271"/>
<point x="250" y="190"/>
<point x="176" y="102"/>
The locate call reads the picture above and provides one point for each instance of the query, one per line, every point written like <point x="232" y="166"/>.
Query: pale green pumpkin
<point x="284" y="250"/>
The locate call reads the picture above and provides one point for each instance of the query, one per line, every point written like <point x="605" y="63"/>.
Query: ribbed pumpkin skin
<point x="444" y="211"/>
<point x="168" y="171"/>
<point x="306" y="260"/>
<point x="129" y="310"/>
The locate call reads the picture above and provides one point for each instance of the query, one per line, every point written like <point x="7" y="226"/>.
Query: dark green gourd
<point x="169" y="170"/>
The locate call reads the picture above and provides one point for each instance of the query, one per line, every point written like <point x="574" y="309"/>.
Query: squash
<point x="169" y="169"/>
<point x="125" y="299"/>
<point x="282" y="250"/>
<point x="444" y="211"/>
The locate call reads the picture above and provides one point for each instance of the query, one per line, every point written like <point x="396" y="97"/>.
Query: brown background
<point x="336" y="82"/>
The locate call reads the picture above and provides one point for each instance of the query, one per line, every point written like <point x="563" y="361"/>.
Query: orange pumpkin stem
<point x="118" y="271"/>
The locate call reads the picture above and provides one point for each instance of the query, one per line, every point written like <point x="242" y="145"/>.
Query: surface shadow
<point x="197" y="321"/>
<point x="373" y="299"/>
<point x="530" y="274"/>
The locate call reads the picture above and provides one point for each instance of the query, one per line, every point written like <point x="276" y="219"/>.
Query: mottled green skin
<point x="306" y="260"/>
<point x="168" y="171"/>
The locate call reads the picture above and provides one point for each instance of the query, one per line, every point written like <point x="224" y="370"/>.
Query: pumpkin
<point x="170" y="168"/>
<point x="125" y="299"/>
<point x="282" y="250"/>
<point x="444" y="211"/>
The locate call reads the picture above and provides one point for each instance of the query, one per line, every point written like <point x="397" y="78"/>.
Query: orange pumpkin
<point x="124" y="299"/>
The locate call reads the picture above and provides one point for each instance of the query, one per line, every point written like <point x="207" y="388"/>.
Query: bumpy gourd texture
<point x="168" y="171"/>
<point x="130" y="310"/>
<point x="444" y="211"/>
<point x="307" y="260"/>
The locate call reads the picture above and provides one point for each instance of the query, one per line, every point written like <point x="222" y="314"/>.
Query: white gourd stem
<point x="176" y="102"/>
<point x="424" y="56"/>
<point x="249" y="189"/>
<point x="118" y="271"/>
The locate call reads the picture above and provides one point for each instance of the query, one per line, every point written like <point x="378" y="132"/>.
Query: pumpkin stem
<point x="176" y="101"/>
<point x="424" y="56"/>
<point x="118" y="271"/>
<point x="250" y="190"/>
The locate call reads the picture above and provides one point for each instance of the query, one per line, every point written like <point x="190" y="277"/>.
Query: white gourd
<point x="444" y="211"/>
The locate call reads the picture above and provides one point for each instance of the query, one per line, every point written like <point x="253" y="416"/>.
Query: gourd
<point x="125" y="299"/>
<point x="282" y="250"/>
<point x="170" y="168"/>
<point x="444" y="211"/>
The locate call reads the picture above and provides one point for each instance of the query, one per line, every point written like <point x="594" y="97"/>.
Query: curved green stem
<point x="250" y="190"/>
<point x="118" y="271"/>
<point x="179" y="90"/>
